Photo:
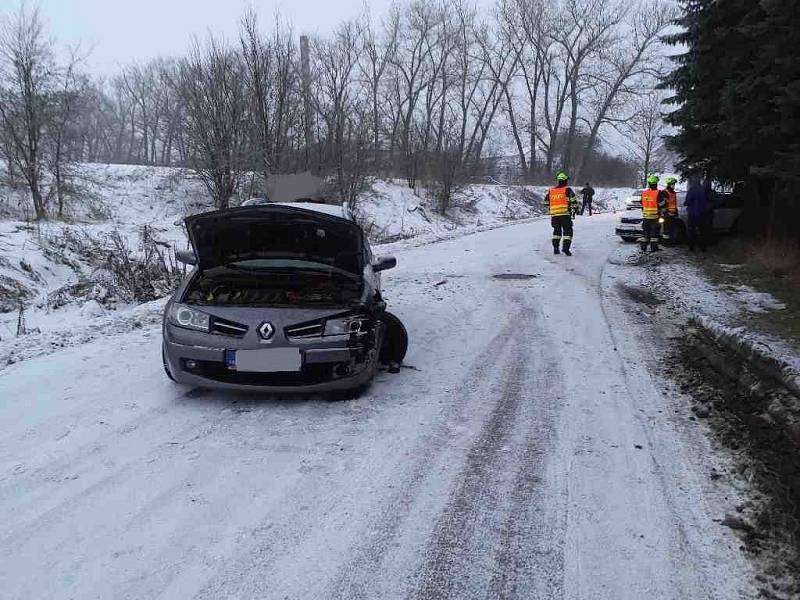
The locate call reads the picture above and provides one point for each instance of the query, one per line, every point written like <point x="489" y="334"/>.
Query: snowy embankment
<point x="57" y="288"/>
<point x="725" y="312"/>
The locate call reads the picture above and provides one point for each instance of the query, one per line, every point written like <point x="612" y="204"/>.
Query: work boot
<point x="643" y="246"/>
<point x="655" y="248"/>
<point x="555" y="247"/>
<point x="567" y="245"/>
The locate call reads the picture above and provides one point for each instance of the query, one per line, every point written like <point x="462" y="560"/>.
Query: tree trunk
<point x="515" y="132"/>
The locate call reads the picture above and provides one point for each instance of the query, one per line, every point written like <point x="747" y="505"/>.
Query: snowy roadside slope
<point x="726" y="310"/>
<point x="39" y="272"/>
<point x="391" y="211"/>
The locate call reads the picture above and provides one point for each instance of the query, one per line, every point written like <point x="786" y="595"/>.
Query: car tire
<point x="395" y="340"/>
<point x="166" y="364"/>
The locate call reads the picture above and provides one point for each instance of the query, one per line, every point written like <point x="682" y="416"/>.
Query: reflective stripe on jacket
<point x="650" y="203"/>
<point x="559" y="203"/>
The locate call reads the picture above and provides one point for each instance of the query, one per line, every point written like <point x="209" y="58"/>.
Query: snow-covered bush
<point x="119" y="273"/>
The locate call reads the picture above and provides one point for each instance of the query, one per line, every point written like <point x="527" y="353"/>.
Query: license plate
<point x="268" y="360"/>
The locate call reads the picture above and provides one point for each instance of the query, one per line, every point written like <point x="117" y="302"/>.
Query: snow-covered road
<point x="526" y="453"/>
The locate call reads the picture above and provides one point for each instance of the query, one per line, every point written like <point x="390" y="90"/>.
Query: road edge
<point x="751" y="352"/>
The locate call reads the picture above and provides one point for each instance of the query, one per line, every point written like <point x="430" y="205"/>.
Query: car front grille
<point x="632" y="220"/>
<point x="225" y="327"/>
<point x="304" y="330"/>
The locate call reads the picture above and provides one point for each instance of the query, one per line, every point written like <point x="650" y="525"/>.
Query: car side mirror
<point x="383" y="263"/>
<point x="187" y="257"/>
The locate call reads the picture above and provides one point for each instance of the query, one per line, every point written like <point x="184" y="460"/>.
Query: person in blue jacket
<point x="700" y="213"/>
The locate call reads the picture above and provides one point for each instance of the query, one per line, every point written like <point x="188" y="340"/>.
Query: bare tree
<point x="645" y="130"/>
<point x="591" y="28"/>
<point x="424" y="94"/>
<point x="27" y="72"/>
<point x="258" y="60"/>
<point x="375" y="57"/>
<point x="629" y="69"/>
<point x="67" y="102"/>
<point x="523" y="27"/>
<point x="337" y="102"/>
<point x="213" y="91"/>
<point x="412" y="76"/>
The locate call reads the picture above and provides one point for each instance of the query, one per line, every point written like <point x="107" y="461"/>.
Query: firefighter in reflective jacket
<point x="654" y="205"/>
<point x="563" y="205"/>
<point x="671" y="212"/>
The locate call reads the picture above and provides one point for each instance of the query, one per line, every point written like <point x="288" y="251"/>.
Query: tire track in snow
<point x="354" y="575"/>
<point x="465" y="557"/>
<point x="530" y="560"/>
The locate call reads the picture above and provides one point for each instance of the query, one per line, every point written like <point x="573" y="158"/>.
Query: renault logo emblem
<point x="266" y="331"/>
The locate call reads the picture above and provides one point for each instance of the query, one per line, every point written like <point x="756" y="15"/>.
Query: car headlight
<point x="189" y="318"/>
<point x="345" y="326"/>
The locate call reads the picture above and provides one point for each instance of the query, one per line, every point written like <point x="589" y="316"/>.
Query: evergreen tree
<point x="779" y="65"/>
<point x="736" y="96"/>
<point x="693" y="85"/>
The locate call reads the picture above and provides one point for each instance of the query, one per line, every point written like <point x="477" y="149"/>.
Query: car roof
<point x="334" y="210"/>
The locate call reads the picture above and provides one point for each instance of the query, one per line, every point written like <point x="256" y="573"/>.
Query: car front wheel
<point x="395" y="340"/>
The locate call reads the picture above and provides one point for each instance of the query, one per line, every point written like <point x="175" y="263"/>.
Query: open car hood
<point x="275" y="231"/>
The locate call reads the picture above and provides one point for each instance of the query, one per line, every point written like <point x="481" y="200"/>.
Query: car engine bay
<point x="278" y="290"/>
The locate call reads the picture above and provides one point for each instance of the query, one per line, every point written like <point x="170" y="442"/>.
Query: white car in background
<point x="727" y="212"/>
<point x="634" y="201"/>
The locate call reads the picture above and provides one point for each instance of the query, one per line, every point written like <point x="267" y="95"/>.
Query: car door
<point x="727" y="209"/>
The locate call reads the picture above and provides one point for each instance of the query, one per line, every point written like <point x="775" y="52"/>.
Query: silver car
<point x="282" y="298"/>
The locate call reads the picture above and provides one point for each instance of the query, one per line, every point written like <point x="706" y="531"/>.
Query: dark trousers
<point x="587" y="204"/>
<point x="699" y="231"/>
<point x="668" y="228"/>
<point x="562" y="231"/>
<point x="651" y="232"/>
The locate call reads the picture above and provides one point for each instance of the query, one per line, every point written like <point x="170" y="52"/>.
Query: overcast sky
<point x="122" y="31"/>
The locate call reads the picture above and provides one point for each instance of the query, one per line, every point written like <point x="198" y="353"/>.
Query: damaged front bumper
<point x="322" y="370"/>
<point x="325" y="366"/>
<point x="629" y="231"/>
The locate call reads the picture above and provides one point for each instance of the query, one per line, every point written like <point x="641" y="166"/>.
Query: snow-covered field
<point x="528" y="450"/>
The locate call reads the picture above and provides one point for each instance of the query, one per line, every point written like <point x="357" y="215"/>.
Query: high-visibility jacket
<point x="559" y="203"/>
<point x="650" y="208"/>
<point x="672" y="202"/>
